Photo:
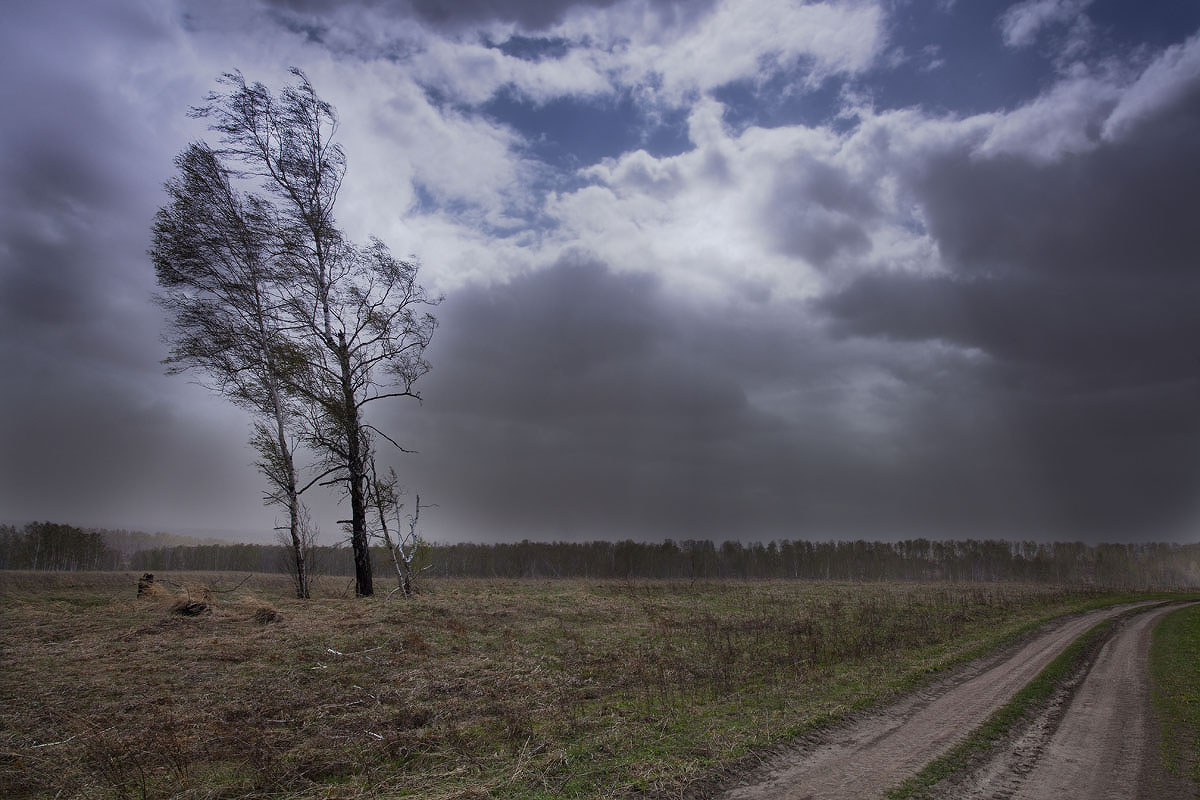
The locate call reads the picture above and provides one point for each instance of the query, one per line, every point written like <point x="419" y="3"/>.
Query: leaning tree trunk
<point x="357" y="475"/>
<point x="293" y="503"/>
<point x="299" y="544"/>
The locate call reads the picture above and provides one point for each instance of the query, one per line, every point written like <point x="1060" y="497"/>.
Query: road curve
<point x="861" y="760"/>
<point x="1105" y="748"/>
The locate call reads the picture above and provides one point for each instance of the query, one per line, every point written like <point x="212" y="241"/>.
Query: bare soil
<point x="1101" y="745"/>
<point x="864" y="758"/>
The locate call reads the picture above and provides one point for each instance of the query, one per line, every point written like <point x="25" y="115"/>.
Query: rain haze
<point x="728" y="270"/>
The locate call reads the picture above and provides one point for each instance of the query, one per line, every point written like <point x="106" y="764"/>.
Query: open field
<point x="532" y="689"/>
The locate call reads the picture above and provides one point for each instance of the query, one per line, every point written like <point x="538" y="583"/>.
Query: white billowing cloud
<point x="455" y="253"/>
<point x="744" y="40"/>
<point x="1167" y="79"/>
<point x="1061" y="121"/>
<point x="630" y="45"/>
<point x="668" y="54"/>
<point x="473" y="72"/>
<point x="1021" y="24"/>
<point x="398" y="139"/>
<point x="720" y="218"/>
<point x="1082" y="111"/>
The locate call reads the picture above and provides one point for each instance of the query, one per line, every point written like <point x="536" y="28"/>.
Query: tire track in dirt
<point x="1104" y="747"/>
<point x="862" y="759"/>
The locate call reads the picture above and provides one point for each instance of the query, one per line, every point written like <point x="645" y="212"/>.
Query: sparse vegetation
<point x="515" y="689"/>
<point x="1175" y="689"/>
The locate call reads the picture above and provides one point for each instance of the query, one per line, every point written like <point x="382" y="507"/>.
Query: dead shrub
<point x="187" y="607"/>
<point x="152" y="591"/>
<point x="266" y="614"/>
<point x="145" y="584"/>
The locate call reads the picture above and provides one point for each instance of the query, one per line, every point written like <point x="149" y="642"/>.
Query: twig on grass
<point x="52" y="744"/>
<point x="240" y="584"/>
<point x="69" y="738"/>
<point x="358" y="652"/>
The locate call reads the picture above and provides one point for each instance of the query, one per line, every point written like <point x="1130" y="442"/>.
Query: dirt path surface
<point x="863" y="759"/>
<point x="1104" y="747"/>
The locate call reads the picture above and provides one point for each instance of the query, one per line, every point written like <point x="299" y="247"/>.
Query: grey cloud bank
<point x="888" y="321"/>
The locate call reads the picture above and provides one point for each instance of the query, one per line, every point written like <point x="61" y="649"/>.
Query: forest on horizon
<point x="58" y="547"/>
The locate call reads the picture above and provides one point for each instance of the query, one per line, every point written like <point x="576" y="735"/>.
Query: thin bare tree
<point x="385" y="499"/>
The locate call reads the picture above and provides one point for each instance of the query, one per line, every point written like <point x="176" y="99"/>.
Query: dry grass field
<point x="472" y="689"/>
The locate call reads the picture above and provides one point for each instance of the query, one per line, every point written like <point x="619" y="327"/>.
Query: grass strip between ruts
<point x="1027" y="702"/>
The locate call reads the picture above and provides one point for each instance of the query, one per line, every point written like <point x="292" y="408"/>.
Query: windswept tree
<point x="354" y="320"/>
<point x="214" y="255"/>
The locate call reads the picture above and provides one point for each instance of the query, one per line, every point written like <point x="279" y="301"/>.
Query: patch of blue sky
<point x="1156" y="24"/>
<point x="522" y="219"/>
<point x="533" y="48"/>
<point x="569" y="133"/>
<point x="780" y="99"/>
<point x="944" y="59"/>
<point x="953" y="59"/>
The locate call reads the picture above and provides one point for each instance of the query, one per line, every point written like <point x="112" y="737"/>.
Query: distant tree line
<point x="1125" y="565"/>
<point x="1149" y="565"/>
<point x="55" y="546"/>
<point x="127" y="542"/>
<point x="51" y="546"/>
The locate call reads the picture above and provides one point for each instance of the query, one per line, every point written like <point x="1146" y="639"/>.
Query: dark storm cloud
<point x="816" y="211"/>
<point x="577" y="342"/>
<point x="1077" y="281"/>
<point x="1108" y="333"/>
<point x="89" y="428"/>
<point x="84" y="445"/>
<point x="74" y="205"/>
<point x="1126" y="208"/>
<point x="576" y="402"/>
<point x="570" y="394"/>
<point x="1085" y="267"/>
<point x="529" y="15"/>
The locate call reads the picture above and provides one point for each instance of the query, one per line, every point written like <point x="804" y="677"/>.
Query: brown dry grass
<point x="472" y="689"/>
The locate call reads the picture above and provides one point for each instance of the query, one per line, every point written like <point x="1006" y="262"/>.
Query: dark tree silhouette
<point x="355" y="319"/>
<point x="213" y="255"/>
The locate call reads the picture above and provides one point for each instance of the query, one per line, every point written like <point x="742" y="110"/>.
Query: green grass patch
<point x="1027" y="703"/>
<point x="1175" y="689"/>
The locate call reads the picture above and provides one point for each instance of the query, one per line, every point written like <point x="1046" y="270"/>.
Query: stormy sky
<point x="712" y="269"/>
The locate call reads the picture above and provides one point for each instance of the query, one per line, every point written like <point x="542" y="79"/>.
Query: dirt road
<point x="1104" y="747"/>
<point x="863" y="759"/>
